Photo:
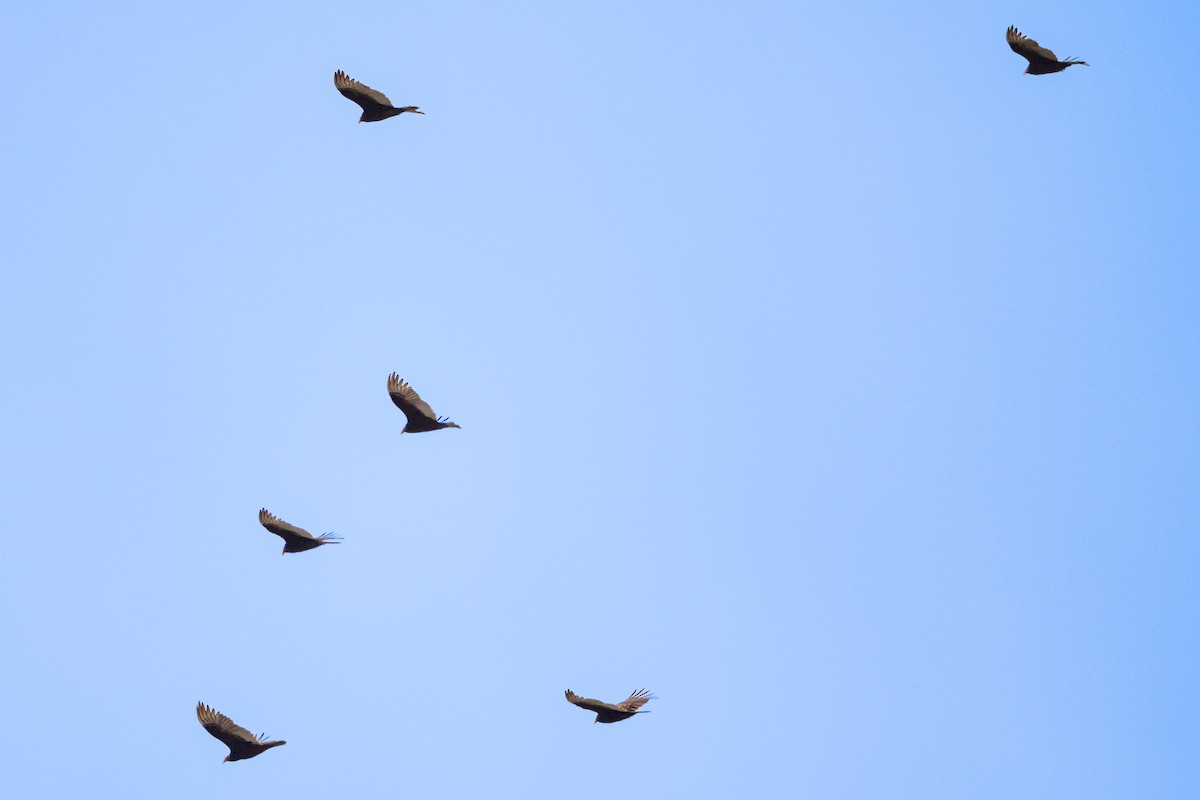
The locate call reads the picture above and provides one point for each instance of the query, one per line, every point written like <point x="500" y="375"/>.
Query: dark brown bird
<point x="242" y="743"/>
<point x="420" y="416"/>
<point x="609" y="712"/>
<point x="295" y="540"/>
<point x="1041" y="61"/>
<point x="375" y="105"/>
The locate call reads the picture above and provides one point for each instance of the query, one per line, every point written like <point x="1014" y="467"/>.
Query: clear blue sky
<point x="818" y="371"/>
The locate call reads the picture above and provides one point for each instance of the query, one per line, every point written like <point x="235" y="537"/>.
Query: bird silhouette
<point x="375" y="105"/>
<point x="242" y="743"/>
<point x="421" y="418"/>
<point x="613" y="712"/>
<point x="1041" y="61"/>
<point x="295" y="540"/>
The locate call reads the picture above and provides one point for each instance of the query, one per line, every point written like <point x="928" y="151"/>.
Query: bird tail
<point x="269" y="745"/>
<point x="412" y="109"/>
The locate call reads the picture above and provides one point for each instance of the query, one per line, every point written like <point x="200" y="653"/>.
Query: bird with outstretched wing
<point x="295" y="540"/>
<point x="420" y="416"/>
<point x="1041" y="61"/>
<point x="242" y="743"/>
<point x="375" y="105"/>
<point x="612" y="712"/>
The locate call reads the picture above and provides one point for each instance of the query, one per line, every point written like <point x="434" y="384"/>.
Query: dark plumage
<point x="420" y="416"/>
<point x="1041" y="61"/>
<point x="610" y="712"/>
<point x="295" y="540"/>
<point x="242" y="743"/>
<point x="375" y="105"/>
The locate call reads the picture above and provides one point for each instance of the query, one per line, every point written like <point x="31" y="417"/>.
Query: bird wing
<point x="1027" y="48"/>
<point x="635" y="700"/>
<point x="280" y="528"/>
<point x="588" y="703"/>
<point x="407" y="399"/>
<point x="360" y="93"/>
<point x="223" y="728"/>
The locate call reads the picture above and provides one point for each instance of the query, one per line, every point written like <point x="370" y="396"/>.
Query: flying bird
<point x="375" y="105"/>
<point x="1041" y="61"/>
<point x="420" y="416"/>
<point x="609" y="712"/>
<point x="242" y="743"/>
<point x="295" y="540"/>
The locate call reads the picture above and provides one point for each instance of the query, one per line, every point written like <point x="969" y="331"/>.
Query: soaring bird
<point x="420" y="416"/>
<point x="295" y="540"/>
<point x="610" y="712"/>
<point x="241" y="742"/>
<point x="1041" y="61"/>
<point x="375" y="105"/>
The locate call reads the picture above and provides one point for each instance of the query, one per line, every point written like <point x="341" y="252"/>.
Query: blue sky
<point x="818" y="371"/>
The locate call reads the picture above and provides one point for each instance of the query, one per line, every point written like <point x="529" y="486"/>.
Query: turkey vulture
<point x="295" y="540"/>
<point x="609" y="712"/>
<point x="375" y="105"/>
<point x="420" y="416"/>
<point x="1041" y="61"/>
<point x="241" y="742"/>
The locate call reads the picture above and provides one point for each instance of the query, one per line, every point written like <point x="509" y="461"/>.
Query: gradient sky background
<point x="818" y="371"/>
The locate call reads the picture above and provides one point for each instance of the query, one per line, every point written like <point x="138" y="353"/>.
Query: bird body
<point x="242" y="743"/>
<point x="612" y="712"/>
<point x="375" y="105"/>
<point x="295" y="540"/>
<point x="421" y="418"/>
<point x="1041" y="61"/>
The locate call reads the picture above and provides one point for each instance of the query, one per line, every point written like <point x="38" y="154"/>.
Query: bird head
<point x="283" y="552"/>
<point x="225" y="760"/>
<point x="1027" y="70"/>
